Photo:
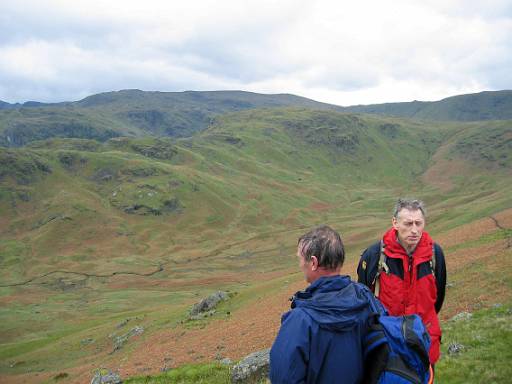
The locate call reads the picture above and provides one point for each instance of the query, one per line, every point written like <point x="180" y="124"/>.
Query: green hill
<point x="132" y="113"/>
<point x="488" y="105"/>
<point x="249" y="174"/>
<point x="96" y="232"/>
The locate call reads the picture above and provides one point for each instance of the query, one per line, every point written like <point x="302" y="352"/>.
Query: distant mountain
<point x="133" y="113"/>
<point x="215" y="101"/>
<point x="4" y="105"/>
<point x="136" y="113"/>
<point x="496" y="105"/>
<point x="28" y="104"/>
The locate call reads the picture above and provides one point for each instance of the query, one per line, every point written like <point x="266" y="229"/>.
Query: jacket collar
<point x="393" y="248"/>
<point x="321" y="285"/>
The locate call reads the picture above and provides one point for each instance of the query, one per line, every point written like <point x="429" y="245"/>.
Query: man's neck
<point x="408" y="249"/>
<point x="325" y="273"/>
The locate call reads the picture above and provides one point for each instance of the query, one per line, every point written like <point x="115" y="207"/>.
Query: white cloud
<point x="343" y="52"/>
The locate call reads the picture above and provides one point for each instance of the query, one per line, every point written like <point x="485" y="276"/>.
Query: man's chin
<point x="412" y="244"/>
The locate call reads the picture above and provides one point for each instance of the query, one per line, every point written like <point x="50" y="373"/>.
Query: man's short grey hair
<point x="410" y="204"/>
<point x="324" y="243"/>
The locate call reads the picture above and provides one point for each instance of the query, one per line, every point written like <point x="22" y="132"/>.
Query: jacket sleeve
<point x="367" y="268"/>
<point x="289" y="355"/>
<point x="440" y="273"/>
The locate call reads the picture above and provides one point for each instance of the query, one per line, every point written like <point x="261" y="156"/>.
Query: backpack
<point x="395" y="348"/>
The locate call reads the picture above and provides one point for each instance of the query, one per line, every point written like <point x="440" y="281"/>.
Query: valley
<point x="100" y="233"/>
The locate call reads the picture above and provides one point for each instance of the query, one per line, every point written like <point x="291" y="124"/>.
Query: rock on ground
<point x="252" y="368"/>
<point x="105" y="376"/>
<point x="455" y="348"/>
<point x="119" y="341"/>
<point x="208" y="303"/>
<point x="462" y="316"/>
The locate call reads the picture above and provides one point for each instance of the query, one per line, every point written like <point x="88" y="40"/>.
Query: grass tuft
<point x="196" y="373"/>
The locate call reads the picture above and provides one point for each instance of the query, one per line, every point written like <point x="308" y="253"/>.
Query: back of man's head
<point x="324" y="243"/>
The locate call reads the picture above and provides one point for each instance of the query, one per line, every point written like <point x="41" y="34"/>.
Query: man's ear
<point x="394" y="222"/>
<point x="314" y="263"/>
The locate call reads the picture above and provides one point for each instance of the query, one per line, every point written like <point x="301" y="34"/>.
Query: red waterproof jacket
<point x="409" y="286"/>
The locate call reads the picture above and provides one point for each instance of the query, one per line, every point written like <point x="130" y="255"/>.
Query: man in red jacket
<point x="406" y="270"/>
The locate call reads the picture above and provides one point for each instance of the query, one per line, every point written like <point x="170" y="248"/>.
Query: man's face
<point x="409" y="225"/>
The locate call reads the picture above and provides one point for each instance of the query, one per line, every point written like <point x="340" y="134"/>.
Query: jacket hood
<point x="335" y="303"/>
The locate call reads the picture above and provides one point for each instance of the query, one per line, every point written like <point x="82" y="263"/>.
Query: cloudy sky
<point x="342" y="52"/>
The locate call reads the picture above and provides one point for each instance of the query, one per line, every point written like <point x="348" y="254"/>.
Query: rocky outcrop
<point x="252" y="369"/>
<point x="119" y="341"/>
<point x="206" y="307"/>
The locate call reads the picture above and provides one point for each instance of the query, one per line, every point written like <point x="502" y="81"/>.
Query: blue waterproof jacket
<point x="320" y="340"/>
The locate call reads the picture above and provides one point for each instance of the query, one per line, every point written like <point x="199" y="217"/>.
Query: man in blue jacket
<point x="320" y="340"/>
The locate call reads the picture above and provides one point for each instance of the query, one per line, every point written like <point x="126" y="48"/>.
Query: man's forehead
<point x="410" y="214"/>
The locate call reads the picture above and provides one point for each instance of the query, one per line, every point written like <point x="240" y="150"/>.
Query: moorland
<point x="124" y="209"/>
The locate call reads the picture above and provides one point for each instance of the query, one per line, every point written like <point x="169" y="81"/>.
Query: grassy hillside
<point x="475" y="350"/>
<point x="132" y="113"/>
<point x="98" y="237"/>
<point x="473" y="107"/>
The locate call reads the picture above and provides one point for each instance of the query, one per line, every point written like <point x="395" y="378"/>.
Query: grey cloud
<point x="238" y="51"/>
<point x="340" y="79"/>
<point x="285" y="48"/>
<point x="18" y="24"/>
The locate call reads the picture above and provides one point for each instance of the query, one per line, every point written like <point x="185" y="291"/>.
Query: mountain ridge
<point x="486" y="105"/>
<point x="139" y="113"/>
<point x="135" y="113"/>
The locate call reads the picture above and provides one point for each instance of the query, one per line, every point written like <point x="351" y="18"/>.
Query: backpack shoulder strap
<point x="382" y="266"/>
<point x="433" y="260"/>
